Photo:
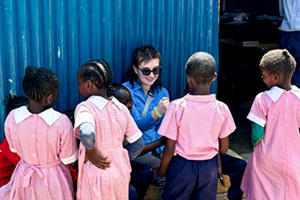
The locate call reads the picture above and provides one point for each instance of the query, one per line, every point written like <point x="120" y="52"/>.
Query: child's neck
<point x="202" y="90"/>
<point x="102" y="93"/>
<point x="285" y="85"/>
<point x="35" y="107"/>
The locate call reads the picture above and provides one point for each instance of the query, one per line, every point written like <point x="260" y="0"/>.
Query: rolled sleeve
<point x="258" y="111"/>
<point x="68" y="148"/>
<point x="82" y="115"/>
<point x="228" y="125"/>
<point x="168" y="126"/>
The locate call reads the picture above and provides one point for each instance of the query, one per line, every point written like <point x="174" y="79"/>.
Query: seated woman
<point x="150" y="102"/>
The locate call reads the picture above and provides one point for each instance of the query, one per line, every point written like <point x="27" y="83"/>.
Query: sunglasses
<point x="147" y="71"/>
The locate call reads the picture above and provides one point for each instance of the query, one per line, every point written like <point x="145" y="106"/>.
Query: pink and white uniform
<point x="273" y="170"/>
<point x="45" y="144"/>
<point x="112" y="122"/>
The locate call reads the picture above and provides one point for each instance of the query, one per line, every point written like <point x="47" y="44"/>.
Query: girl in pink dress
<point x="44" y="140"/>
<point x="273" y="170"/>
<point x="101" y="124"/>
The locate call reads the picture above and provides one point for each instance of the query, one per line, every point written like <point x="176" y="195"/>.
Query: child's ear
<point x="215" y="77"/>
<point x="49" y="98"/>
<point x="89" y="84"/>
<point x="276" y="77"/>
<point x="190" y="82"/>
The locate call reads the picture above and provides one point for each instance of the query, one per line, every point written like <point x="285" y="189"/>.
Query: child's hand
<point x="163" y="105"/>
<point x="159" y="172"/>
<point x="95" y="157"/>
<point x="220" y="176"/>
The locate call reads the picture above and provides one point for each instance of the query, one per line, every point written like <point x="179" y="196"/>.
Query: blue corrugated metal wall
<point x="63" y="34"/>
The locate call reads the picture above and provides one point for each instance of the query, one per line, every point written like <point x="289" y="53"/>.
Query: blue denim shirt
<point x="147" y="125"/>
<point x="290" y="10"/>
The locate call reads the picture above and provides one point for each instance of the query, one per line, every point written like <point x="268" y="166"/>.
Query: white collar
<point x="275" y="92"/>
<point x="100" y="102"/>
<point x="49" y="115"/>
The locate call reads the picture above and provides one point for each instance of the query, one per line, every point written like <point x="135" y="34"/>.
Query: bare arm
<point x="166" y="157"/>
<point x="153" y="145"/>
<point x="223" y="145"/>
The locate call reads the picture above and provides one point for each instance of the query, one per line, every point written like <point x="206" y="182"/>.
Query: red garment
<point x="8" y="162"/>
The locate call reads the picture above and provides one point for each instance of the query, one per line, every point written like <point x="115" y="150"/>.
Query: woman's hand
<point x="163" y="105"/>
<point x="95" y="157"/>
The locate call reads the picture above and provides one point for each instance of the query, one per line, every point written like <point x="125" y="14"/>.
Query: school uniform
<point x="112" y="121"/>
<point x="273" y="170"/>
<point x="45" y="144"/>
<point x="195" y="122"/>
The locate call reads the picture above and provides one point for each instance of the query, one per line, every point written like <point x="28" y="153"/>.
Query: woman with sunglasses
<point x="144" y="84"/>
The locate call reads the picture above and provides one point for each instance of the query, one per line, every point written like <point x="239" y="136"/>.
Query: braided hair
<point x="39" y="82"/>
<point x="114" y="89"/>
<point x="98" y="72"/>
<point x="279" y="61"/>
<point x="201" y="67"/>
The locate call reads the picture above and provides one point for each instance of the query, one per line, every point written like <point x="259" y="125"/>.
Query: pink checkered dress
<point x="273" y="170"/>
<point x="45" y="143"/>
<point x="112" y="122"/>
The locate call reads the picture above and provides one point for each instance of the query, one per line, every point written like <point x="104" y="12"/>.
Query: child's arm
<point x="166" y="157"/>
<point x="135" y="148"/>
<point x="257" y="133"/>
<point x="153" y="145"/>
<point x="223" y="145"/>
<point x="220" y="171"/>
<point x="87" y="135"/>
<point x="95" y="157"/>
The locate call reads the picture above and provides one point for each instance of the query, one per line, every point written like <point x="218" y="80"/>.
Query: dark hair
<point x="114" y="89"/>
<point x="98" y="72"/>
<point x="70" y="114"/>
<point x="279" y="61"/>
<point x="13" y="102"/>
<point x="201" y="67"/>
<point x="143" y="53"/>
<point x="39" y="82"/>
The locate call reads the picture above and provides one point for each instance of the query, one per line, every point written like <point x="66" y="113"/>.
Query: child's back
<point x="112" y="121"/>
<point x="273" y="169"/>
<point x="200" y="120"/>
<point x="45" y="143"/>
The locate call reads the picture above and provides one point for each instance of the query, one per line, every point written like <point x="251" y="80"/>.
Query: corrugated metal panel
<point x="63" y="34"/>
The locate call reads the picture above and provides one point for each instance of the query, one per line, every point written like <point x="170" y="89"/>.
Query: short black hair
<point x="39" y="82"/>
<point x="98" y="72"/>
<point x="143" y="53"/>
<point x="201" y="67"/>
<point x="13" y="102"/>
<point x="279" y="61"/>
<point x="114" y="89"/>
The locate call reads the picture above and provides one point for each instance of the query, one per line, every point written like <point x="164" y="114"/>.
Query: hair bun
<point x="31" y="72"/>
<point x="285" y="52"/>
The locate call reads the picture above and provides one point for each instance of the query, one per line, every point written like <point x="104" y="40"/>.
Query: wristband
<point x="157" y="112"/>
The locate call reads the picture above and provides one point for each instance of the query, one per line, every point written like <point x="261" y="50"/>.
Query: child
<point x="43" y="138"/>
<point x="197" y="128"/>
<point x="231" y="166"/>
<point x="273" y="168"/>
<point x="101" y="124"/>
<point x="8" y="159"/>
<point x="141" y="175"/>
